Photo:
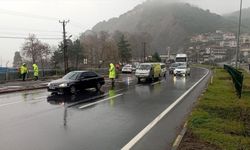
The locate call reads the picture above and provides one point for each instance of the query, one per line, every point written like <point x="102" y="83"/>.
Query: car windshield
<point x="128" y="66"/>
<point x="145" y="67"/>
<point x="181" y="67"/>
<point x="175" y="65"/>
<point x="71" y="76"/>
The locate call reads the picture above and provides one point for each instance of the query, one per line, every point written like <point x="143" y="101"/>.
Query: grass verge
<point x="220" y="120"/>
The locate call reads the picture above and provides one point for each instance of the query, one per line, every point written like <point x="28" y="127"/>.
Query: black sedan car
<point x="75" y="81"/>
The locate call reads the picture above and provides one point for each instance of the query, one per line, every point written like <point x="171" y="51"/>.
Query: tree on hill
<point x="17" y="60"/>
<point x="156" y="57"/>
<point x="124" y="50"/>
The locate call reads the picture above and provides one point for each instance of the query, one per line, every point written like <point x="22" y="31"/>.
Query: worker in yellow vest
<point x="36" y="71"/>
<point x="24" y="71"/>
<point x="112" y="73"/>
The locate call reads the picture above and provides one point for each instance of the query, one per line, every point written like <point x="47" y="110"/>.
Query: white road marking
<point x="158" y="118"/>
<point x="155" y="83"/>
<point x="84" y="106"/>
<point x="34" y="100"/>
<point x="10" y="103"/>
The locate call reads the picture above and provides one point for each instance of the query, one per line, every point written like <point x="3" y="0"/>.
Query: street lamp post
<point x="238" y="37"/>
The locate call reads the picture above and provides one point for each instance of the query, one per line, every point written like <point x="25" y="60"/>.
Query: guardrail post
<point x="237" y="77"/>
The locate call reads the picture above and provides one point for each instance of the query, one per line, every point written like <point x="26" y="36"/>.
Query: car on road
<point x="75" y="81"/>
<point x="128" y="68"/>
<point x="163" y="69"/>
<point x="148" y="71"/>
<point x="172" y="67"/>
<point x="182" y="70"/>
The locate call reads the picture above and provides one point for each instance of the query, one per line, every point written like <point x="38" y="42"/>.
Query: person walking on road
<point x="36" y="71"/>
<point x="24" y="71"/>
<point x="112" y="73"/>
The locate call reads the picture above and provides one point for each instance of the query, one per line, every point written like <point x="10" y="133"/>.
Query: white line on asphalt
<point x="84" y="106"/>
<point x="155" y="83"/>
<point x="158" y="118"/>
<point x="10" y="103"/>
<point x="35" y="100"/>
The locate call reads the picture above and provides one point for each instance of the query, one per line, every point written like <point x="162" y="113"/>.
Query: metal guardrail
<point x="237" y="77"/>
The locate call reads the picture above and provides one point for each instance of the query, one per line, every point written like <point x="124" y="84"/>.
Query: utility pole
<point x="65" y="54"/>
<point x="238" y="37"/>
<point x="144" y="51"/>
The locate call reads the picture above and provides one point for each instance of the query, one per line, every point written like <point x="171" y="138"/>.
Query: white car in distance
<point x="127" y="69"/>
<point x="182" y="70"/>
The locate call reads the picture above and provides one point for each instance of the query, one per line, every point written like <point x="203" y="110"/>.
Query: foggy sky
<point x="41" y="17"/>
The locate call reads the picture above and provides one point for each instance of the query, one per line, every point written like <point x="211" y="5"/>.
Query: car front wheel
<point x="72" y="89"/>
<point x="98" y="87"/>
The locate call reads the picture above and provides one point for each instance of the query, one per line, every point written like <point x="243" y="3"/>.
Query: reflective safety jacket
<point x="36" y="71"/>
<point x="23" y="69"/>
<point x="112" y="73"/>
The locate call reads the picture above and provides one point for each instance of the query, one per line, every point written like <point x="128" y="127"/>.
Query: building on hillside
<point x="199" y="38"/>
<point x="228" y="43"/>
<point x="245" y="47"/>
<point x="229" y="36"/>
<point x="219" y="53"/>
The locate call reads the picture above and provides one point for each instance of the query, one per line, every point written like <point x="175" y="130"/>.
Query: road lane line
<point x="142" y="133"/>
<point x="10" y="103"/>
<point x="35" y="100"/>
<point x="155" y="83"/>
<point x="84" y="106"/>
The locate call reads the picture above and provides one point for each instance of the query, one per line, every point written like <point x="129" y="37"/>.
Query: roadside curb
<point x="179" y="137"/>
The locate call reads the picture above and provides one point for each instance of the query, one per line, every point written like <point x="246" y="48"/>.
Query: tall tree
<point x="124" y="50"/>
<point x="43" y="55"/>
<point x="57" y="57"/>
<point x="17" y="60"/>
<point x="76" y="53"/>
<point x="156" y="57"/>
<point x="31" y="48"/>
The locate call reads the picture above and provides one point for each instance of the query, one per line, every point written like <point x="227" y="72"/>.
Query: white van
<point x="148" y="71"/>
<point x="163" y="69"/>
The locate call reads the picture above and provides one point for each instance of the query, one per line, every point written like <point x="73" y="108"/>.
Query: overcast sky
<point x="21" y="17"/>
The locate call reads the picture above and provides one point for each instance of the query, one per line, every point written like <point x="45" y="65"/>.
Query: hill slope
<point x="169" y="24"/>
<point x="234" y="17"/>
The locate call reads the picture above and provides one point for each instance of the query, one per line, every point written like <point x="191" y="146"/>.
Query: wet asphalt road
<point x="109" y="120"/>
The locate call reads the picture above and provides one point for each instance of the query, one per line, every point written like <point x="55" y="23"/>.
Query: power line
<point x="20" y="37"/>
<point x="25" y="34"/>
<point x="23" y="14"/>
<point x="28" y="30"/>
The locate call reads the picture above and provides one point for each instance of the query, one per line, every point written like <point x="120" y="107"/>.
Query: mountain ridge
<point x="169" y="24"/>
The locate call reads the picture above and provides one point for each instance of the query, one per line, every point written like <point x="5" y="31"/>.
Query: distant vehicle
<point x="135" y="65"/>
<point x="172" y="67"/>
<point x="163" y="69"/>
<point x="75" y="81"/>
<point x="182" y="70"/>
<point x="148" y="71"/>
<point x="181" y="59"/>
<point x="127" y="68"/>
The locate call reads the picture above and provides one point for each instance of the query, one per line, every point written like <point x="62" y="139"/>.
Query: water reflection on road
<point x="179" y="82"/>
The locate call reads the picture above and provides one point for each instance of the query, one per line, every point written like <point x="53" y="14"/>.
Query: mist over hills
<point x="234" y="17"/>
<point x="169" y="24"/>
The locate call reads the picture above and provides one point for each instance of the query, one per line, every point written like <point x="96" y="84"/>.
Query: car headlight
<point x="48" y="84"/>
<point x="63" y="85"/>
